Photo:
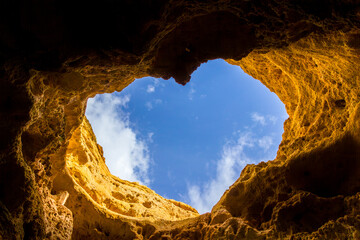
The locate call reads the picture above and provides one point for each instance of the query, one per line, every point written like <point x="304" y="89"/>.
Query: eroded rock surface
<point x="86" y="165"/>
<point x="55" y="55"/>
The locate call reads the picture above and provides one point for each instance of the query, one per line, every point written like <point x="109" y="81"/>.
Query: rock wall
<point x="54" y="55"/>
<point x="119" y="199"/>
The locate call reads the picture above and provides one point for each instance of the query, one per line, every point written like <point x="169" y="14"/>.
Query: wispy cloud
<point x="158" y="101"/>
<point x="150" y="137"/>
<point x="150" y="89"/>
<point x="148" y="105"/>
<point x="234" y="157"/>
<point x="262" y="119"/>
<point x="272" y="119"/>
<point x="151" y="104"/>
<point x="233" y="160"/>
<point x="126" y="154"/>
<point x="191" y="93"/>
<point x="256" y="117"/>
<point x="265" y="142"/>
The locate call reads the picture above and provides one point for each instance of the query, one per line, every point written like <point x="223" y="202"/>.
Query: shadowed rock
<point x="54" y="55"/>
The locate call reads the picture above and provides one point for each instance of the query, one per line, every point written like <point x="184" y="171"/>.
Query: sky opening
<point x="188" y="143"/>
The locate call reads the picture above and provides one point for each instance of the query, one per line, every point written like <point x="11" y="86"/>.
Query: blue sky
<point x="188" y="143"/>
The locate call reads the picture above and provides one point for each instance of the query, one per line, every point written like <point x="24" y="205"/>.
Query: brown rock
<point x="54" y="55"/>
<point x="116" y="197"/>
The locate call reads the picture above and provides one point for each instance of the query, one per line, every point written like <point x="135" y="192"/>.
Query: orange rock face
<point x="54" y="183"/>
<point x="86" y="165"/>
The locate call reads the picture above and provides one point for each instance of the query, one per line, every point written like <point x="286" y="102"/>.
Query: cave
<point x="188" y="143"/>
<point x="55" y="55"/>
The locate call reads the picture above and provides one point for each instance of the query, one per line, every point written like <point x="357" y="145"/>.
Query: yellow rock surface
<point x="86" y="164"/>
<point x="54" y="183"/>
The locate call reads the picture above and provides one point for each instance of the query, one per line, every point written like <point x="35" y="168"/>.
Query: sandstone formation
<point x="54" y="55"/>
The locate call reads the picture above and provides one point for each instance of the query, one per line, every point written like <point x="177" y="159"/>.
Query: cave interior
<point x="54" y="55"/>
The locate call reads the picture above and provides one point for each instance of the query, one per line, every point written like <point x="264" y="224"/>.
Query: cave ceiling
<point x="54" y="55"/>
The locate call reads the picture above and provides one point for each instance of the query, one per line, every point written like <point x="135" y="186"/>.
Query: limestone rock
<point x="86" y="165"/>
<point x="54" y="55"/>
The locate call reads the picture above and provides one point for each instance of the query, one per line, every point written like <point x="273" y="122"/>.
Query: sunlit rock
<point x="55" y="55"/>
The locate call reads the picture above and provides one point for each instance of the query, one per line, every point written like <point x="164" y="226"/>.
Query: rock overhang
<point x="56" y="55"/>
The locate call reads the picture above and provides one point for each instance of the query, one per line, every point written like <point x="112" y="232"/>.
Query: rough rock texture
<point x="86" y="165"/>
<point x="56" y="54"/>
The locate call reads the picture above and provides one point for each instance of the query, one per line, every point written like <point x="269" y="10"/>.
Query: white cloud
<point x="156" y="82"/>
<point x="149" y="106"/>
<point x="256" y="117"/>
<point x="126" y="155"/>
<point x="233" y="160"/>
<point x="150" y="89"/>
<point x="150" y="137"/>
<point x="192" y="91"/>
<point x="158" y="101"/>
<point x="272" y="119"/>
<point x="263" y="120"/>
<point x="265" y="142"/>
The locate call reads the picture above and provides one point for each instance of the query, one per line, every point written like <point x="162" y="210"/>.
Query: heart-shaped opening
<point x="188" y="143"/>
